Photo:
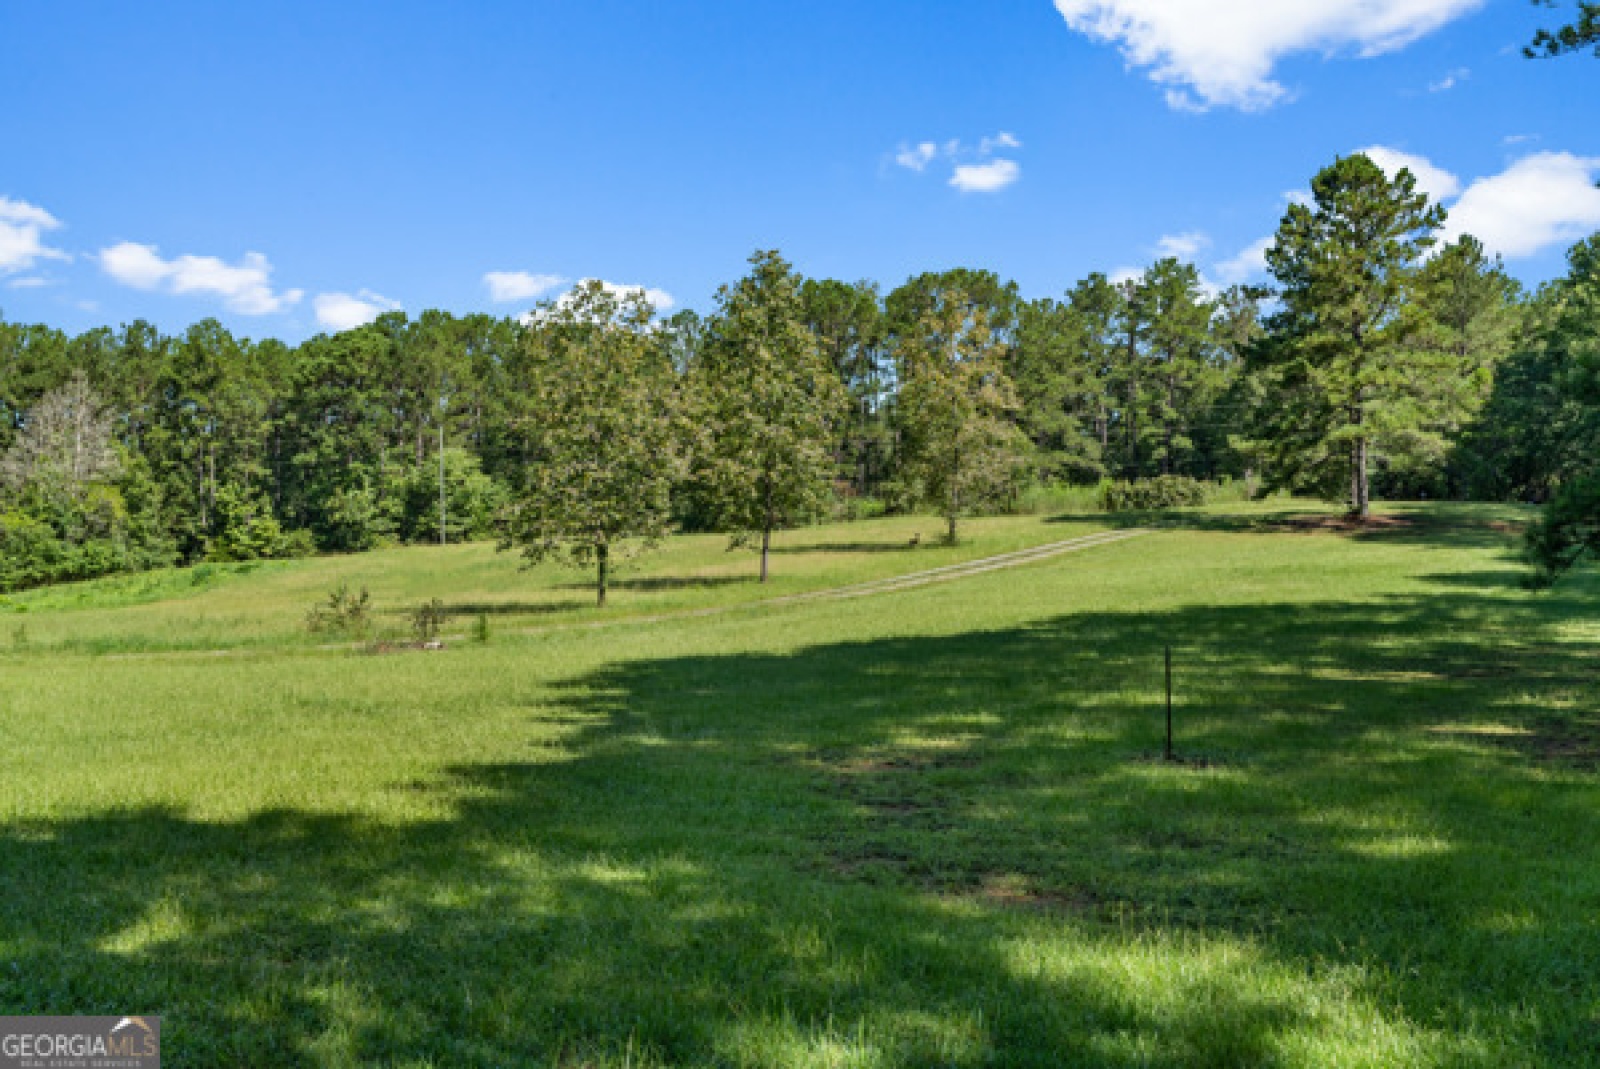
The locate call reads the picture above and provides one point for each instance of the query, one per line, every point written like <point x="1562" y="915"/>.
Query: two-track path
<point x="964" y="569"/>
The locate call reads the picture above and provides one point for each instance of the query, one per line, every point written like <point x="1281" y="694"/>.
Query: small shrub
<point x="428" y="619"/>
<point x="298" y="543"/>
<point x="345" y="612"/>
<point x="480" y="629"/>
<point x="1153" y="495"/>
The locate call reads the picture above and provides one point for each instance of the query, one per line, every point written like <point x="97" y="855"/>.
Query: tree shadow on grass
<point x="953" y="850"/>
<point x="1461" y="526"/>
<point x="900" y="546"/>
<point x="500" y="608"/>
<point x="654" y="583"/>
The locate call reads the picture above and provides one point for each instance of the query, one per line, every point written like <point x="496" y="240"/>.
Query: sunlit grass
<point x="918" y="829"/>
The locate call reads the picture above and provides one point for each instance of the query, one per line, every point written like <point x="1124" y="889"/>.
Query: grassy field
<point x="925" y="828"/>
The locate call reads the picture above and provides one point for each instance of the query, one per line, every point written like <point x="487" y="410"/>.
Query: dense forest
<point x="1382" y="362"/>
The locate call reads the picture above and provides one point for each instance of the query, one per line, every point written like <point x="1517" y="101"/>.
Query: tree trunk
<point x="600" y="574"/>
<point x="1360" y="487"/>
<point x="766" y="530"/>
<point x="1363" y="486"/>
<point x="951" y="537"/>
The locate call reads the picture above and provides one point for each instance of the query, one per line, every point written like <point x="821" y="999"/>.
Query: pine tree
<point x="1342" y="367"/>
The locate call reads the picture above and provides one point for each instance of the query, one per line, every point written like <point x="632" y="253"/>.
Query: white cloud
<point x="22" y="226"/>
<point x="1212" y="53"/>
<point x="344" y="311"/>
<point x="918" y="156"/>
<point x="1251" y="262"/>
<point x="989" y="177"/>
<point x="1450" y="81"/>
<point x="987" y="145"/>
<point x="519" y="285"/>
<point x="1123" y="275"/>
<point x="246" y="287"/>
<point x="1545" y="199"/>
<point x="972" y="169"/>
<point x="1182" y="246"/>
<point x="1438" y="183"/>
<point x="29" y="282"/>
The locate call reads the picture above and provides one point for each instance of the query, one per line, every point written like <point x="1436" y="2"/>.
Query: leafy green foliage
<point x="960" y="450"/>
<point x="1571" y="337"/>
<point x="1154" y="495"/>
<point x="766" y="409"/>
<point x="601" y="433"/>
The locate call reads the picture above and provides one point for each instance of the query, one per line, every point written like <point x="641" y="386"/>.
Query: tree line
<point x="1380" y="363"/>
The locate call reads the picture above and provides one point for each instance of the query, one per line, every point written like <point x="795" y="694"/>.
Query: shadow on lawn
<point x="1438" y="524"/>
<point x="858" y="843"/>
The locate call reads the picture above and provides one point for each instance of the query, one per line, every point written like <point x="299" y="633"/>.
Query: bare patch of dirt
<point x="384" y="647"/>
<point x="1345" y="524"/>
<point x="1011" y="890"/>
<point x="1567" y="742"/>
<point x="1574" y="742"/>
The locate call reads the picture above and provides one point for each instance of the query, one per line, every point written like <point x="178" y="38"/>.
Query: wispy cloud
<point x="1450" y="81"/>
<point x="1222" y="53"/>
<point x="1250" y="262"/>
<point x="245" y="287"/>
<point x="519" y="285"/>
<point x="1183" y="246"/>
<point x="917" y="157"/>
<point x="973" y="169"/>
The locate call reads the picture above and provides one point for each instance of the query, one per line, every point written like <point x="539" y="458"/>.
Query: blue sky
<point x="295" y="167"/>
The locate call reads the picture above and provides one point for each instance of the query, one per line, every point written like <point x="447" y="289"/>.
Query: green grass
<point x="919" y="829"/>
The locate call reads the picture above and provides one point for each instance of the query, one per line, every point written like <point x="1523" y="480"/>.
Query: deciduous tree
<point x="961" y="448"/>
<point x="768" y="407"/>
<point x="599" y="422"/>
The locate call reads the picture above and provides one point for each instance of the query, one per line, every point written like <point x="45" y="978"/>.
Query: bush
<point x="345" y="612"/>
<point x="245" y="528"/>
<point x="472" y="499"/>
<point x="1153" y="495"/>
<point x="428" y="619"/>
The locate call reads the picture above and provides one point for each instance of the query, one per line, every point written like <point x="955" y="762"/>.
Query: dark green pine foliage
<point x="1344" y="374"/>
<point x="1570" y="528"/>
<point x="1576" y="36"/>
<point x="847" y="320"/>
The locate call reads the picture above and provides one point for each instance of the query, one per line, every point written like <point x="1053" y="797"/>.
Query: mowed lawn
<point x="925" y="828"/>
